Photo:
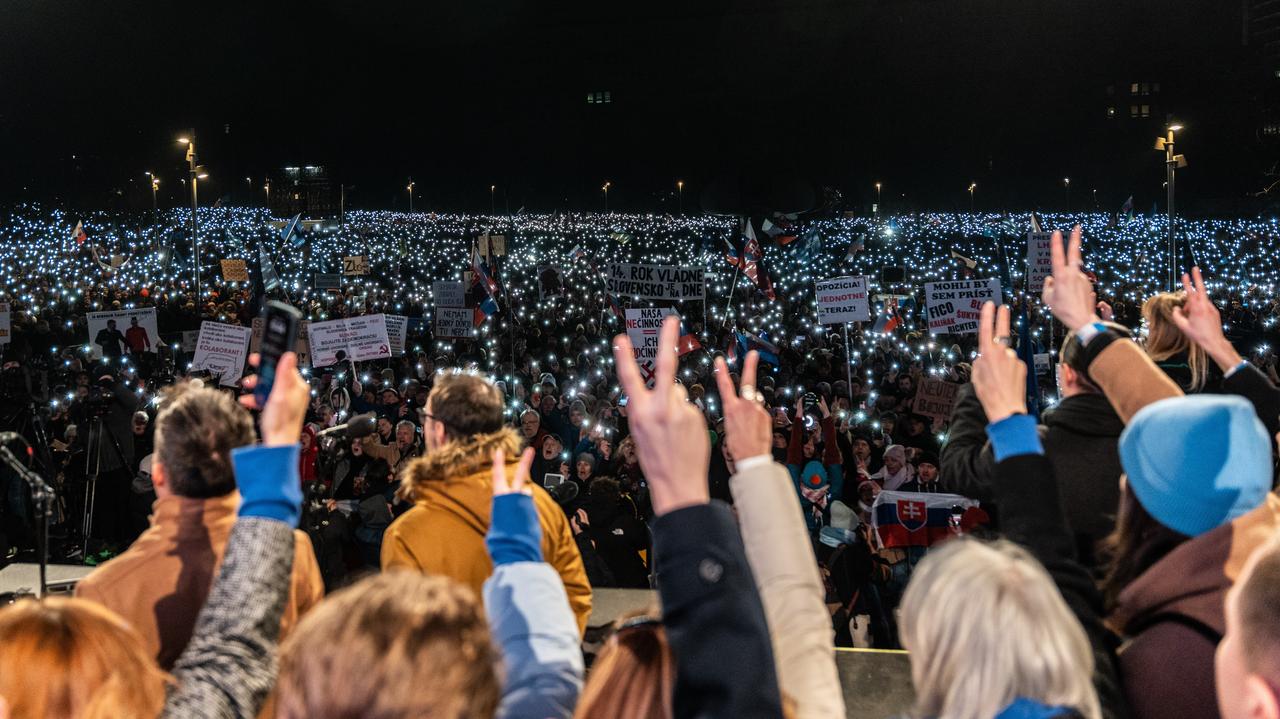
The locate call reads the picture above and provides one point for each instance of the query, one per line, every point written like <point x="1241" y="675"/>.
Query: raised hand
<point x="748" y="430"/>
<point x="1200" y="321"/>
<point x="670" y="433"/>
<point x="514" y="532"/>
<point x="519" y="479"/>
<point x="999" y="377"/>
<point x="286" y="407"/>
<point x="1069" y="293"/>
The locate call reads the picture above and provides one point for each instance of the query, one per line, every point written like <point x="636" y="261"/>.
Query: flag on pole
<point x="747" y="341"/>
<point x="781" y="231"/>
<point x="971" y="264"/>
<point x="290" y="231"/>
<point x="688" y="340"/>
<point x="1127" y="209"/>
<point x="752" y="257"/>
<point x="78" y="233"/>
<point x="1035" y="223"/>
<point x="857" y="245"/>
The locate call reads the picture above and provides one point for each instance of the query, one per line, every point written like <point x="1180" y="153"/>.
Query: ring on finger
<point x="748" y="392"/>
<point x="1006" y="340"/>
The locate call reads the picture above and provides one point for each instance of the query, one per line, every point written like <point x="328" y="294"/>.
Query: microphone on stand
<point x="361" y="425"/>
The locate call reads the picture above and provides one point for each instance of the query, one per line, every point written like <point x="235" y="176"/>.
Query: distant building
<point x="307" y="190"/>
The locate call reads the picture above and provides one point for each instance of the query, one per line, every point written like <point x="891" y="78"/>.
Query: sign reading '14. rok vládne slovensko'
<point x="655" y="282"/>
<point x="842" y="299"/>
<point x="953" y="307"/>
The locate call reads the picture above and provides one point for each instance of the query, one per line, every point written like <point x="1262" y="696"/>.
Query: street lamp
<point x="1066" y="182"/>
<point x="877" y="199"/>
<point x="266" y="188"/>
<point x="196" y="173"/>
<point x="972" y="187"/>
<point x="492" y="188"/>
<point x="1171" y="163"/>
<point x="410" y="189"/>
<point x="680" y="195"/>
<point x="606" y="195"/>
<point x="155" y="185"/>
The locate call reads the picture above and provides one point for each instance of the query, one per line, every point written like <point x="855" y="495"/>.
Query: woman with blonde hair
<point x="1173" y="352"/>
<point x="634" y="675"/>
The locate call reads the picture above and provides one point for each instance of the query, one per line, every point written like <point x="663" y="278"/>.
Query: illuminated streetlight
<point x="195" y="173"/>
<point x="877" y="199"/>
<point x="606" y="194"/>
<point x="492" y="189"/>
<point x="410" y="189"/>
<point x="680" y="195"/>
<point x="1066" y="183"/>
<point x="1171" y="163"/>
<point x="155" y="185"/>
<point x="973" y="186"/>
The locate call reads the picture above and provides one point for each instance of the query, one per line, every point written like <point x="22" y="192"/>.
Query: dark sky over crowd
<point x="924" y="95"/>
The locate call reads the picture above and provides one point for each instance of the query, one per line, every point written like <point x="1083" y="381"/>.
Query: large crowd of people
<point x="1100" y="541"/>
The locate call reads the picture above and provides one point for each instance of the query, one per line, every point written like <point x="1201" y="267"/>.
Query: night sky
<point x="923" y="95"/>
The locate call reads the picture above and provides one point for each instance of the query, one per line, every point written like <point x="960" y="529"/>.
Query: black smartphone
<point x="279" y="335"/>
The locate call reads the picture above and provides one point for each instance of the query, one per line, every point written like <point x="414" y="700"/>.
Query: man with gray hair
<point x="398" y="455"/>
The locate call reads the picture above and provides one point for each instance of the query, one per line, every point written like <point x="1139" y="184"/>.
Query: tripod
<point x="42" y="498"/>
<point x="92" y="470"/>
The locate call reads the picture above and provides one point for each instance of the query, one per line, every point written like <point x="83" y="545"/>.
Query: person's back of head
<point x="462" y="405"/>
<point x="1011" y="637"/>
<point x="1165" y="340"/>
<point x="195" y="431"/>
<point x="634" y="675"/>
<point x="396" y="645"/>
<point x="1248" y="658"/>
<point x="63" y="658"/>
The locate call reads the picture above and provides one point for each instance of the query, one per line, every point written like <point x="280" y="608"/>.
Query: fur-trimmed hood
<point x="458" y="459"/>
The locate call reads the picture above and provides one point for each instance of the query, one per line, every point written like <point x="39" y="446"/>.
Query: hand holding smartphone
<point x="279" y="334"/>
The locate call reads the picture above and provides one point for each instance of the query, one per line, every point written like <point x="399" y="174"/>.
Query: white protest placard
<point x="655" y="282"/>
<point x="453" y="322"/>
<point x="448" y="293"/>
<point x="222" y="350"/>
<point x="953" y="307"/>
<point x="189" y="340"/>
<point x="358" y="338"/>
<point x="123" y="331"/>
<point x="842" y="299"/>
<point x="1039" y="264"/>
<point x="396" y="326"/>
<point x="5" y="326"/>
<point x="642" y="329"/>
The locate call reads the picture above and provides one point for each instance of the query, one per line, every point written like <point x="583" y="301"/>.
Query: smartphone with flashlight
<point x="279" y="334"/>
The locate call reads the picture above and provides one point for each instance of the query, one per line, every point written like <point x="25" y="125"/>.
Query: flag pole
<point x="848" y="365"/>
<point x="733" y="286"/>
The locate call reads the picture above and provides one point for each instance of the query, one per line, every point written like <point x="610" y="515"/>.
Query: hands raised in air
<point x="999" y="377"/>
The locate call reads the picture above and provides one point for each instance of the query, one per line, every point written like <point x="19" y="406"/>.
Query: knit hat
<point x="1197" y="462"/>
<point x="813" y="476"/>
<point x="587" y="457"/>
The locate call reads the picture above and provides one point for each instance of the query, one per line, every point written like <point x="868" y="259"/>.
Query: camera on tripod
<point x="100" y="401"/>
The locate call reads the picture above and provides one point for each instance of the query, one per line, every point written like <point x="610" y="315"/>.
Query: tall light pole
<point x="1066" y="183"/>
<point x="266" y="187"/>
<point x="606" y="195"/>
<point x="492" y="189"/>
<point x="972" y="187"/>
<point x="877" y="213"/>
<point x="197" y="173"/>
<point x="410" y="189"/>
<point x="1171" y="163"/>
<point x="680" y="196"/>
<point x="155" y="185"/>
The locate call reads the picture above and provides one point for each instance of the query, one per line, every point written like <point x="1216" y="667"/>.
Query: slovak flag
<point x="752" y="256"/>
<point x="481" y="276"/>
<point x="78" y="233"/>
<point x="919" y="519"/>
<point x="688" y="341"/>
<point x="781" y="231"/>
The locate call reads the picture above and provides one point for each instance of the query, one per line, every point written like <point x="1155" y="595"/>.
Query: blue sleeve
<point x="514" y="532"/>
<point x="1013" y="436"/>
<point x="269" y="483"/>
<point x="537" y="634"/>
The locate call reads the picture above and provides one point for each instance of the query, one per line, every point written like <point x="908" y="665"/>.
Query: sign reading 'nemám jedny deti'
<point x="842" y="299"/>
<point x="954" y="306"/>
<point x="655" y="282"/>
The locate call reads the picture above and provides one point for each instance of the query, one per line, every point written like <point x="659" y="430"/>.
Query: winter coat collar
<point x="458" y="458"/>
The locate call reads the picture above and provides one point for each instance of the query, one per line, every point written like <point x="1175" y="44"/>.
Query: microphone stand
<point x="42" y="498"/>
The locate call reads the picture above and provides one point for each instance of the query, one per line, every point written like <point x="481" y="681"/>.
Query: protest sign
<point x="842" y="299"/>
<point x="355" y="265"/>
<point x="1043" y="363"/>
<point x="1039" y="264"/>
<point x="5" y="326"/>
<point x="453" y="322"/>
<point x="302" y="347"/>
<point x="954" y="306"/>
<point x="234" y="271"/>
<point x="328" y="281"/>
<point x="655" y="282"/>
<point x="122" y="331"/>
<point x="642" y="329"/>
<point x="357" y="338"/>
<point x="189" y="340"/>
<point x="550" y="282"/>
<point x="222" y="350"/>
<point x="934" y="399"/>
<point x="448" y="293"/>
<point x="396" y="326"/>
<point x="498" y="245"/>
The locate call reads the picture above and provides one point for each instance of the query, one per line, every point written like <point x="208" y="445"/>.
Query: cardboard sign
<point x="655" y="282"/>
<point x="234" y="271"/>
<point x="842" y="299"/>
<point x="498" y="245"/>
<point x="123" y="330"/>
<point x="222" y="350"/>
<point x="642" y="329"/>
<point x="302" y="347"/>
<point x="355" y="265"/>
<point x="6" y="330"/>
<point x="357" y="338"/>
<point x="328" y="281"/>
<point x="1039" y="263"/>
<point x="396" y="327"/>
<point x="954" y="307"/>
<point x="453" y="322"/>
<point x="189" y="340"/>
<point x="448" y="293"/>
<point x="550" y="282"/>
<point x="1043" y="363"/>
<point x="934" y="399"/>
